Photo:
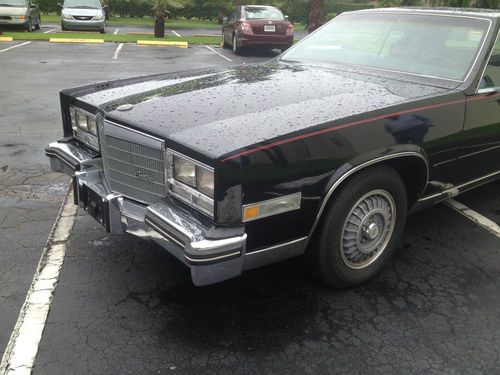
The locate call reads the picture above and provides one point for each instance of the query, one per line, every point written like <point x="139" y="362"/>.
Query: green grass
<point x="147" y="21"/>
<point x="111" y="37"/>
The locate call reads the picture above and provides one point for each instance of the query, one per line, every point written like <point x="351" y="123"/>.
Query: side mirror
<point x="33" y="5"/>
<point x="105" y="6"/>
<point x="59" y="5"/>
<point x="224" y="19"/>
<point x="286" y="17"/>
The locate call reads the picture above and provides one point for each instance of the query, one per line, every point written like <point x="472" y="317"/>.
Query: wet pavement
<point x="126" y="306"/>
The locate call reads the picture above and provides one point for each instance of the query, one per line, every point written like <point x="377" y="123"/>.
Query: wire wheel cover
<point x="368" y="229"/>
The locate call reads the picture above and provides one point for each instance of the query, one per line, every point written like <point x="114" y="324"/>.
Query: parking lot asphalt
<point x="123" y="305"/>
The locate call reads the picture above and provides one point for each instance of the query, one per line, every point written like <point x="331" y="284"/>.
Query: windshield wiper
<point x="9" y="5"/>
<point x="82" y="7"/>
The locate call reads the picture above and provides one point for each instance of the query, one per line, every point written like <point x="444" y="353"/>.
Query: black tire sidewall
<point x="332" y="268"/>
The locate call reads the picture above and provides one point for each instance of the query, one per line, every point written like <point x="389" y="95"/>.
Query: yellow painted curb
<point x="162" y="43"/>
<point x="75" y="40"/>
<point x="6" y="39"/>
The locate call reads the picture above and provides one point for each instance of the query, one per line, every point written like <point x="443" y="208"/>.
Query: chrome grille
<point x="134" y="163"/>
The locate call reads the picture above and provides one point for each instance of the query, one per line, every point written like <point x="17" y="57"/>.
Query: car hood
<point x="13" y="11"/>
<point x="216" y="113"/>
<point x="82" y="12"/>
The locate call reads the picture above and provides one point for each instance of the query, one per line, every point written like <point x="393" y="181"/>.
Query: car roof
<point x="468" y="12"/>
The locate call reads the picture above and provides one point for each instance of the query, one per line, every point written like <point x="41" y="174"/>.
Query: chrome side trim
<point x="357" y="169"/>
<point x="194" y="260"/>
<point x="274" y="253"/>
<point x="456" y="190"/>
<point x="275" y="247"/>
<point x="478" y="152"/>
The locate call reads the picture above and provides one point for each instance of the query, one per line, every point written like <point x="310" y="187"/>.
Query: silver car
<point x="19" y="13"/>
<point x="82" y="15"/>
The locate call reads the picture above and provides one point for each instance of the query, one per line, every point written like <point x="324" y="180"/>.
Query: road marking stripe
<point x="21" y="351"/>
<point x="49" y="31"/>
<point x="12" y="47"/>
<point x="176" y="33"/>
<point x="474" y="216"/>
<point x="118" y="49"/>
<point x="218" y="53"/>
<point x="116" y="31"/>
<point x="76" y="40"/>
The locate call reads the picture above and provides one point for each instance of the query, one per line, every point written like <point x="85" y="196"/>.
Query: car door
<point x="34" y="11"/>
<point x="480" y="152"/>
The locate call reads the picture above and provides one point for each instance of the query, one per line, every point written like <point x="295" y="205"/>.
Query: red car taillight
<point x="289" y="30"/>
<point x="246" y="28"/>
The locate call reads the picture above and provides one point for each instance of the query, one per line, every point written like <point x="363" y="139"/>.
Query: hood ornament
<point x="124" y="107"/>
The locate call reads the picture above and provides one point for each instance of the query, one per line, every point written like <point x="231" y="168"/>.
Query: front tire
<point x="38" y="25"/>
<point x="29" y="27"/>
<point x="102" y="31"/>
<point x="360" y="229"/>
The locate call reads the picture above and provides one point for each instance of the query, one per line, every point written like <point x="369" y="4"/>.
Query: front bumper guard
<point x="210" y="260"/>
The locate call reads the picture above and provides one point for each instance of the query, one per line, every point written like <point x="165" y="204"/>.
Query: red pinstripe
<point x="354" y="123"/>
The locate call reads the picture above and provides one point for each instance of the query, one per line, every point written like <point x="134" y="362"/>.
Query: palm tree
<point x="316" y="15"/>
<point x="160" y="9"/>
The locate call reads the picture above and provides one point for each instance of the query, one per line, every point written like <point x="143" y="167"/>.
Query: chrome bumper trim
<point x="67" y="157"/>
<point x="210" y="260"/>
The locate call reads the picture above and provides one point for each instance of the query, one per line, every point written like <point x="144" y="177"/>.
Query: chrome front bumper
<point x="210" y="259"/>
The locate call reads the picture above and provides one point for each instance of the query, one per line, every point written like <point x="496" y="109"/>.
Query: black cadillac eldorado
<point x="322" y="151"/>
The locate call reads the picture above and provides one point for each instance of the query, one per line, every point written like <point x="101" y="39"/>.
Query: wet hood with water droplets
<point x="216" y="113"/>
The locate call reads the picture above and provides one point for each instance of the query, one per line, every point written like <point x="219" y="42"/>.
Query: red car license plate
<point x="270" y="28"/>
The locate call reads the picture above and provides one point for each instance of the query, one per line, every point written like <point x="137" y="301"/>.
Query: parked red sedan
<point x="257" y="25"/>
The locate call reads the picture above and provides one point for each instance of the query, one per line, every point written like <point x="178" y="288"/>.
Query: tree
<point x="160" y="9"/>
<point x="316" y="15"/>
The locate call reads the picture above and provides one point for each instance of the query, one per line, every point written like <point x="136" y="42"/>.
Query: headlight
<point x="66" y="16"/>
<point x="19" y="17"/>
<point x="191" y="181"/>
<point x="99" y="17"/>
<point x="184" y="171"/>
<point x="84" y="127"/>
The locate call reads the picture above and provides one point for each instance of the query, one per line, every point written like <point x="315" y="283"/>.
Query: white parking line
<point x="12" y="47"/>
<point x="117" y="52"/>
<point x="116" y="31"/>
<point x="176" y="33"/>
<point x="21" y="351"/>
<point x="475" y="217"/>
<point x="218" y="53"/>
<point x="49" y="31"/>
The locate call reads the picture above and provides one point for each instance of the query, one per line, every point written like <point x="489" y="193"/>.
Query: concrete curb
<point x="6" y="39"/>
<point x="76" y="40"/>
<point x="162" y="43"/>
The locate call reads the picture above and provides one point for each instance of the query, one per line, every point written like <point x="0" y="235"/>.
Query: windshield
<point x="13" y="3"/>
<point x="89" y="4"/>
<point x="263" y="14"/>
<point x="436" y="46"/>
